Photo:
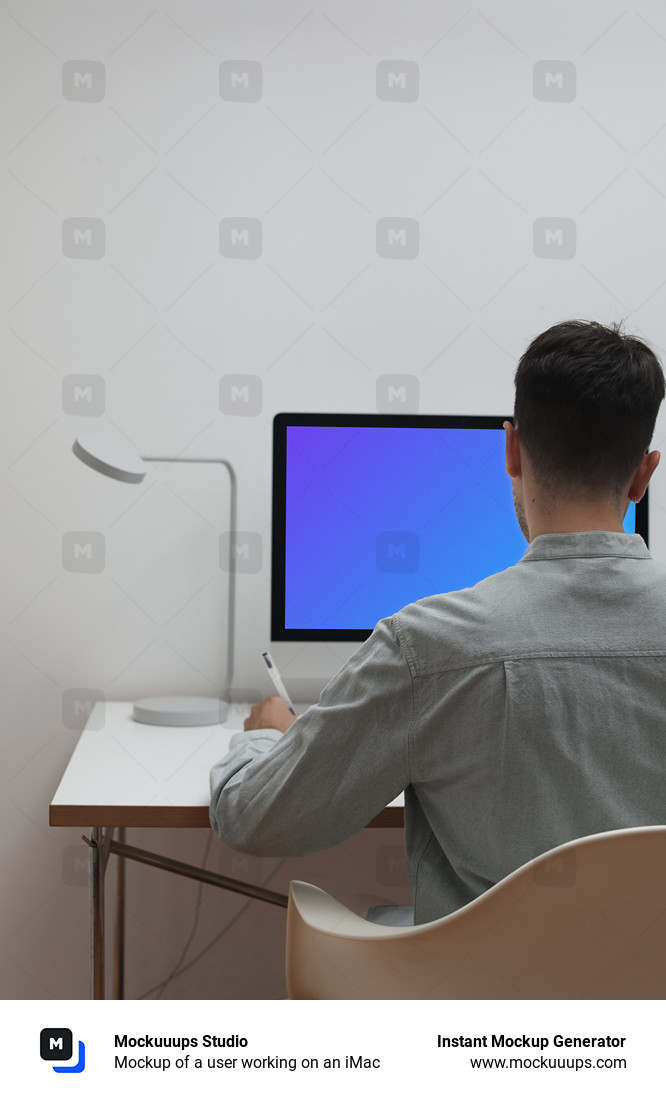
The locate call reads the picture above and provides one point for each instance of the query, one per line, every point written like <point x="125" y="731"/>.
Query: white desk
<point x="125" y="773"/>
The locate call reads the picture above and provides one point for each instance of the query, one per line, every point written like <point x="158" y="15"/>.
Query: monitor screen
<point x="372" y="512"/>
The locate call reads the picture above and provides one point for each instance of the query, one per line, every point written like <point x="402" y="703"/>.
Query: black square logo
<point x="55" y="1044"/>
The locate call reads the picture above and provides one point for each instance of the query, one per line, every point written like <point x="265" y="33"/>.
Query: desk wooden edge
<point x="171" y="817"/>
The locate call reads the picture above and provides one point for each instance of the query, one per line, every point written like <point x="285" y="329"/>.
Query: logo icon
<point x="84" y="81"/>
<point x="240" y="394"/>
<point x="398" y="238"/>
<point x="558" y="871"/>
<point x="83" y="394"/>
<point x="398" y="81"/>
<point x="56" y="1045"/>
<point x="83" y="238"/>
<point x="83" y="551"/>
<point x="391" y="866"/>
<point x="77" y="707"/>
<point x="245" y="548"/>
<point x="75" y="866"/>
<point x="554" y="238"/>
<point x="241" y="81"/>
<point x="398" y="551"/>
<point x="554" y="81"/>
<point x="397" y="393"/>
<point x="241" y="238"/>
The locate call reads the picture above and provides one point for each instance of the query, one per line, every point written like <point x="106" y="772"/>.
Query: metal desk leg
<point x="99" y="846"/>
<point x="97" y="913"/>
<point x="119" y="937"/>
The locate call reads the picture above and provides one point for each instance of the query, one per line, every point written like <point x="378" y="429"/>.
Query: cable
<point x="179" y="969"/>
<point x="197" y="914"/>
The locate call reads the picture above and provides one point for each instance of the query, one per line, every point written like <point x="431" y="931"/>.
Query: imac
<point x="372" y="512"/>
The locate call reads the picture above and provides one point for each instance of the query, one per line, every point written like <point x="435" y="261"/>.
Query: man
<point x="518" y="714"/>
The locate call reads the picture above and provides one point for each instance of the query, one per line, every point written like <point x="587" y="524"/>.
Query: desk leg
<point x="119" y="937"/>
<point x="96" y="855"/>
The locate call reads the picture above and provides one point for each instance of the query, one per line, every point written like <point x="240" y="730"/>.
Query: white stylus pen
<point x="277" y="680"/>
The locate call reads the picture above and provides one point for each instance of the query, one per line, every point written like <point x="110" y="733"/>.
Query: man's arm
<point x="335" y="768"/>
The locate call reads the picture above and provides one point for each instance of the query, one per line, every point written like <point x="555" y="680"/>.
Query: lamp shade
<point x="111" y="457"/>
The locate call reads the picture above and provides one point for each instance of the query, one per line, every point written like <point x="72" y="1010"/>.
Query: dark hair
<point x="586" y="403"/>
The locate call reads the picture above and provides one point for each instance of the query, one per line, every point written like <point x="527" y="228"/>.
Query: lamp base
<point x="180" y="710"/>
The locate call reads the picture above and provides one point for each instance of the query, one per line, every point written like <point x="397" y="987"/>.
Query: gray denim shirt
<point x="516" y="715"/>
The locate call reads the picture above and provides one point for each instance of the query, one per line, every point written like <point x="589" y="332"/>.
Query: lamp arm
<point x="231" y="564"/>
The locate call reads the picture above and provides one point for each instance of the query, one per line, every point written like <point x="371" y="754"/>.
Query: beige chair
<point x="586" y="920"/>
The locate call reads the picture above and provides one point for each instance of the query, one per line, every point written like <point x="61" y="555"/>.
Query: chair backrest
<point x="586" y="920"/>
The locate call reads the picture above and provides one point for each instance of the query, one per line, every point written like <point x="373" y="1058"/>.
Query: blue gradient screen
<point x="377" y="517"/>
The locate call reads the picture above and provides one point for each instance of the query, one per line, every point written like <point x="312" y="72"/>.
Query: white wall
<point x="473" y="121"/>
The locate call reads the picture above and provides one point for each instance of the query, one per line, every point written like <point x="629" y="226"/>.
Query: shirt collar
<point x="586" y="544"/>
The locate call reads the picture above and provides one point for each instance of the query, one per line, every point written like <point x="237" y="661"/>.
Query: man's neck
<point x="589" y="516"/>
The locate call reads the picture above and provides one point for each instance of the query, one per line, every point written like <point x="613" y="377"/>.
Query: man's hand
<point x="272" y="714"/>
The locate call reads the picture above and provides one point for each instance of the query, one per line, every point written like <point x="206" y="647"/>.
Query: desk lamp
<point x="117" y="460"/>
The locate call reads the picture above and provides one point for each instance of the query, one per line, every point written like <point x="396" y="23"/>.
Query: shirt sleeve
<point x="337" y="766"/>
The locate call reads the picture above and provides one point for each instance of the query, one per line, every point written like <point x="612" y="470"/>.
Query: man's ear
<point x="513" y="467"/>
<point x="642" y="475"/>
